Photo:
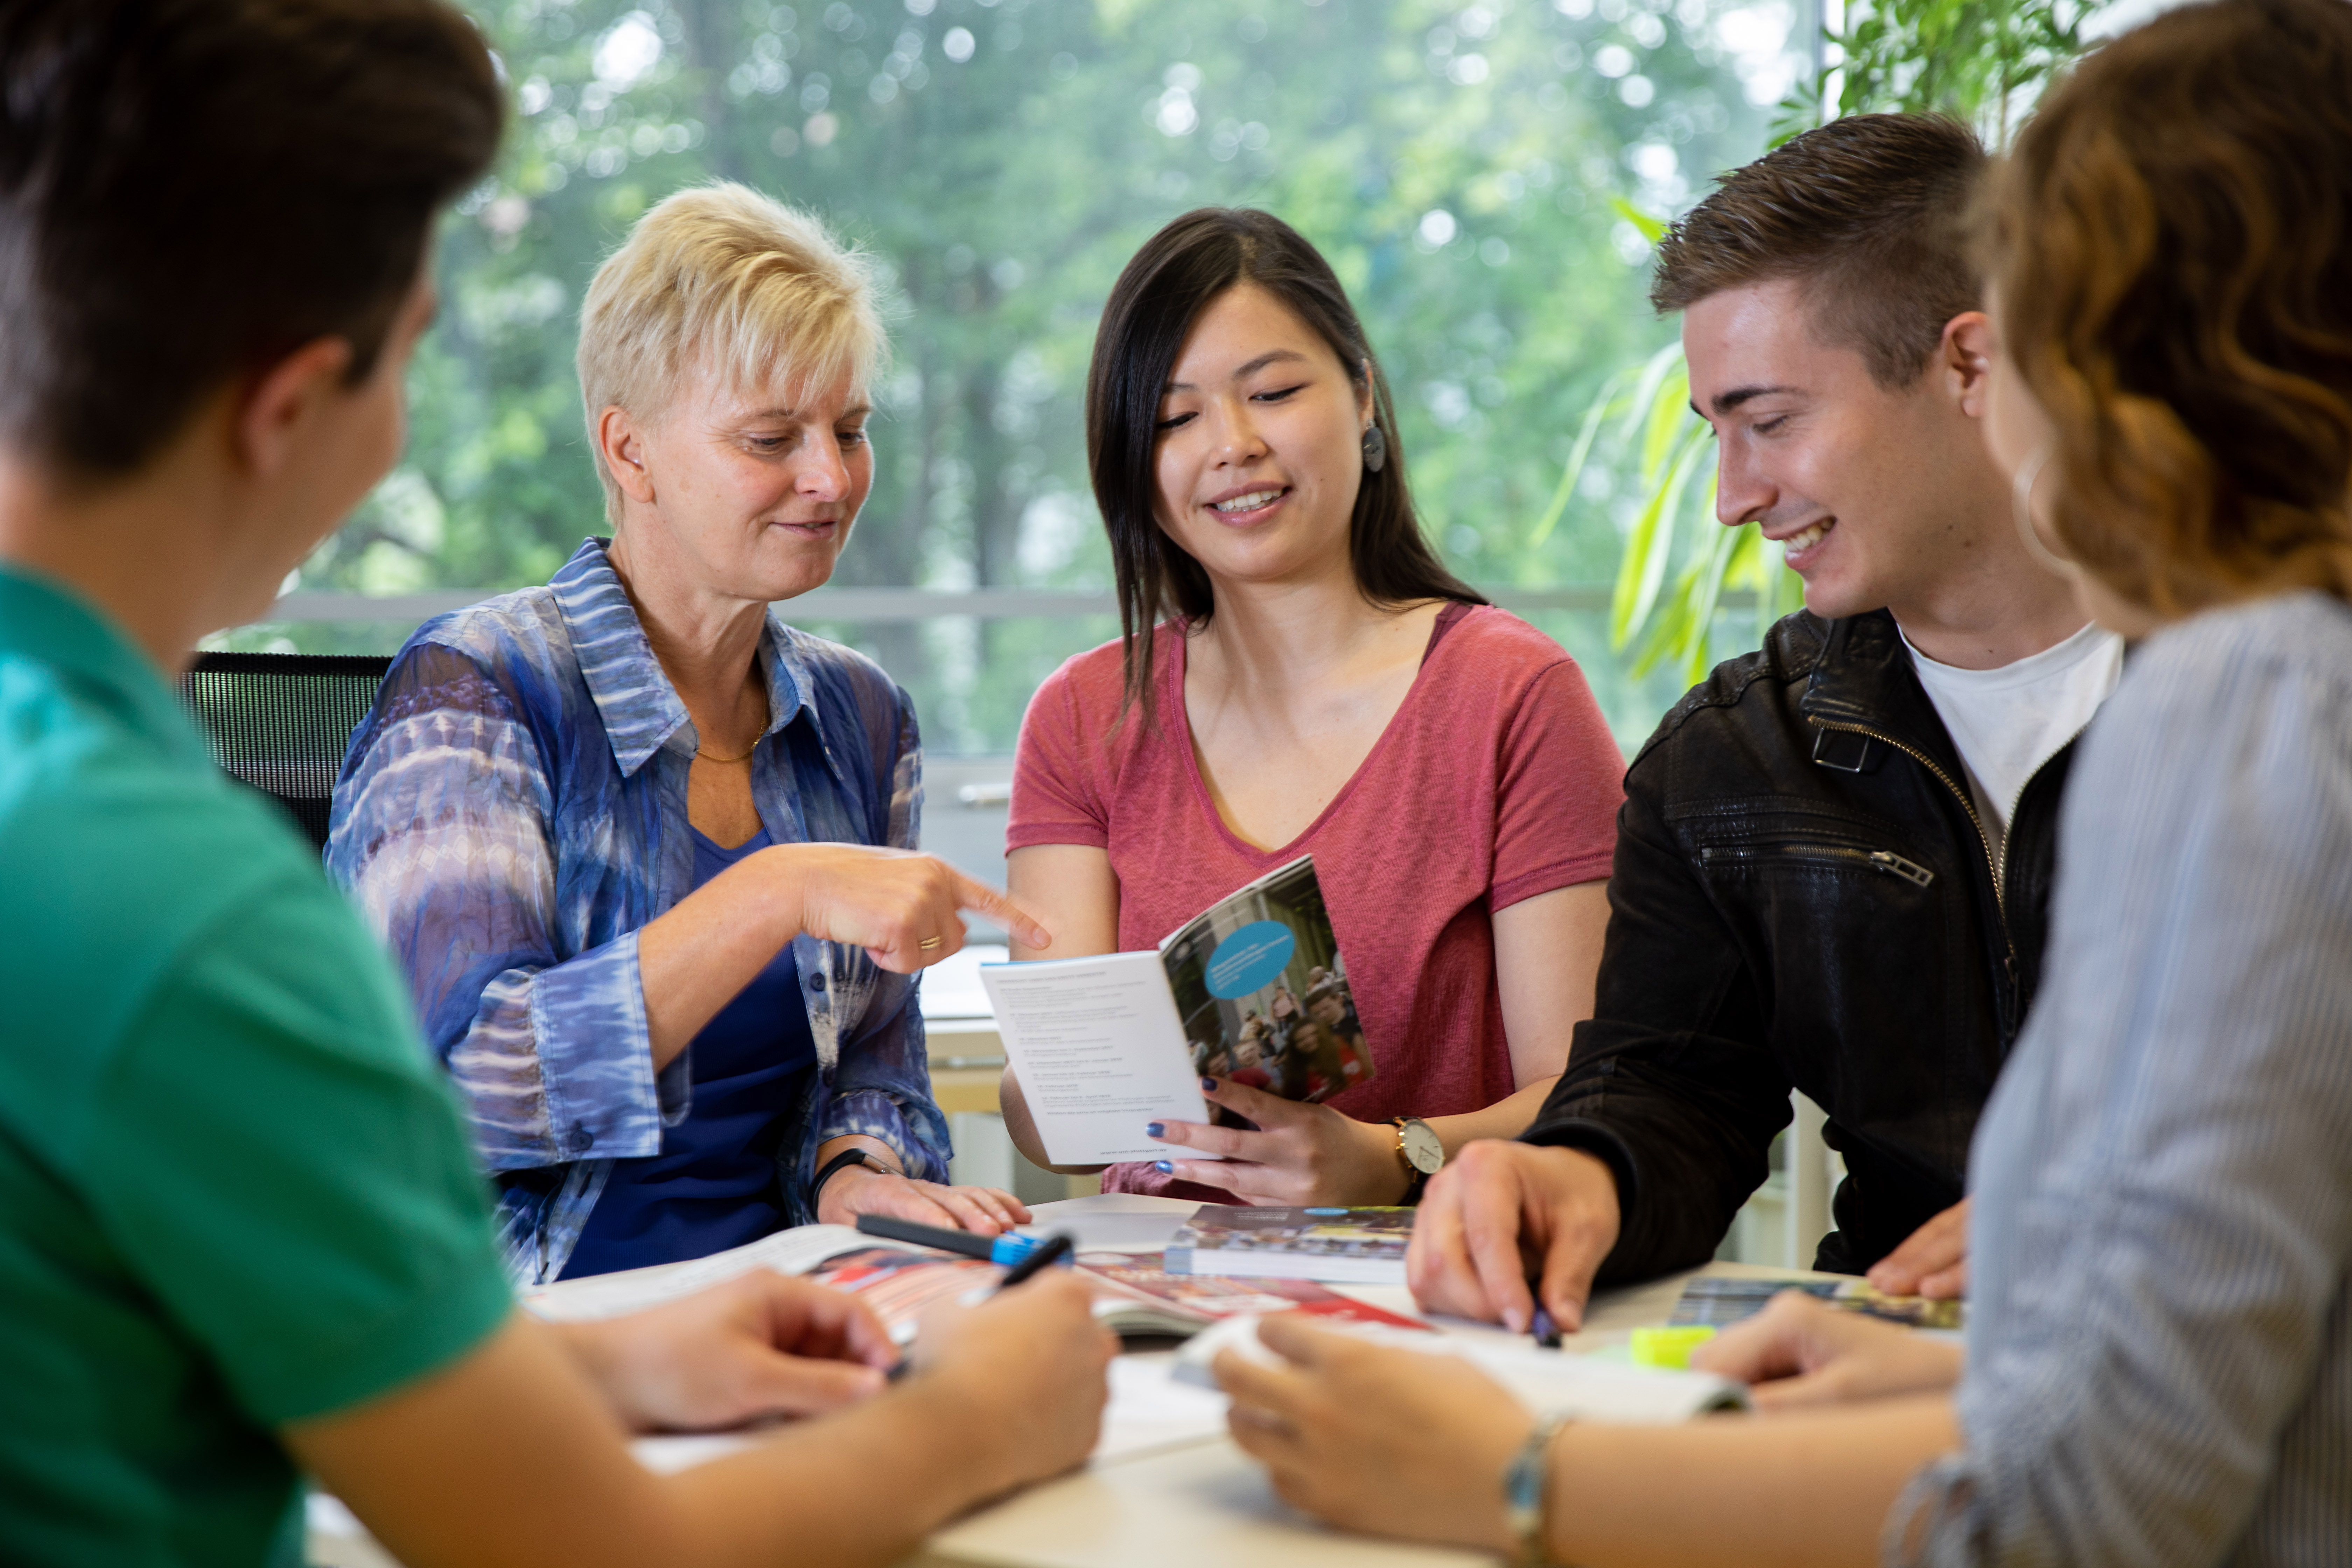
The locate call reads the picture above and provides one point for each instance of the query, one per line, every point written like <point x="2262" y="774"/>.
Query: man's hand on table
<point x="1500" y="1212"/>
<point x="1798" y="1353"/>
<point x="757" y="1346"/>
<point x="1024" y="1375"/>
<point x="1933" y="1261"/>
<point x="1372" y="1437"/>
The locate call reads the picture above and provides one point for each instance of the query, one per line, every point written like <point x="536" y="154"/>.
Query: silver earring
<point x="1376" y="450"/>
<point x="2020" y="498"/>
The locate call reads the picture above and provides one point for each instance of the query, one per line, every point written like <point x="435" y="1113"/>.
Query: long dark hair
<point x="1162" y="292"/>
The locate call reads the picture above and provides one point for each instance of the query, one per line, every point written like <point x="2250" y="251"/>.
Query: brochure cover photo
<point x="1263" y="991"/>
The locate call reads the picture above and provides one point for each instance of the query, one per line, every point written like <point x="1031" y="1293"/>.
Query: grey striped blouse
<point x="2160" y="1364"/>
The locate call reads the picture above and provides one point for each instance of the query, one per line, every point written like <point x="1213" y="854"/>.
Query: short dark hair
<point x="190" y="189"/>
<point x="1157" y="298"/>
<point x="1870" y="214"/>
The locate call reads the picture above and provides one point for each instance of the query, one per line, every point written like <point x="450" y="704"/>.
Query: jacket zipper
<point x="1993" y="863"/>
<point x="2000" y="871"/>
<point x="1877" y="859"/>
<point x="1999" y="864"/>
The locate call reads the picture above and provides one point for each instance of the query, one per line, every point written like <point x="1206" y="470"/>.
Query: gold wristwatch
<point x="1420" y="1150"/>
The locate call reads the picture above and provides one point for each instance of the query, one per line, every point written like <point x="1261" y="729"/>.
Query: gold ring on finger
<point x="927" y="944"/>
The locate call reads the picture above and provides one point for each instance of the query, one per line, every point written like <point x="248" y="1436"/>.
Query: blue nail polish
<point x="1209" y="1085"/>
<point x="1153" y="1129"/>
<point x="1164" y="1167"/>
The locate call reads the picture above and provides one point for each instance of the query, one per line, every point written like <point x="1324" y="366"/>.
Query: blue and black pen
<point x="1023" y="1258"/>
<point x="1007" y="1250"/>
<point x="1042" y="1256"/>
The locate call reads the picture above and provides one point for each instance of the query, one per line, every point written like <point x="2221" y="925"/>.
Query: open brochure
<point x="1549" y="1383"/>
<point x="1251" y="989"/>
<point x="1717" y="1303"/>
<point x="1134" y="1295"/>
<point x="1161" y="1300"/>
<point x="1348" y="1247"/>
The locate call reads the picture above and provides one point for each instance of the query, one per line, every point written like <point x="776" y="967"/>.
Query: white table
<point x="1206" y="1503"/>
<point x="1193" y="1501"/>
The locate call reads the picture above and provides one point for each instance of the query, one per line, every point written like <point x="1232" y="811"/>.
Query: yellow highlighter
<point x="1669" y="1348"/>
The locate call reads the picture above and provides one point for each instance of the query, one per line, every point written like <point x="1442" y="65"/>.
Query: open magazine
<point x="1718" y="1303"/>
<point x="1347" y="1245"/>
<point x="1252" y="989"/>
<point x="1134" y="1295"/>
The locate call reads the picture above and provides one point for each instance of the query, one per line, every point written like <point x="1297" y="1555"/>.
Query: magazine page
<point x="900" y="1285"/>
<point x="1100" y="1053"/>
<point x="1208" y="1298"/>
<point x="1262" y="993"/>
<point x="1347" y="1245"/>
<point x="1715" y="1302"/>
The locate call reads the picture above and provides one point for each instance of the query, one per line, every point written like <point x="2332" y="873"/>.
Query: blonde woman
<point x="643" y="850"/>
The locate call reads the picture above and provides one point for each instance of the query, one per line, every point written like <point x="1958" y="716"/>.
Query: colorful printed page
<point x="1263" y="992"/>
<point x="1716" y="1302"/>
<point x="1188" y="1302"/>
<point x="1342" y="1245"/>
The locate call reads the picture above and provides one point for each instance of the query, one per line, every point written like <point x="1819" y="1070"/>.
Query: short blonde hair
<point x="723" y="274"/>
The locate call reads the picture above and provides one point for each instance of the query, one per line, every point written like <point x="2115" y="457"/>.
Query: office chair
<point x="280" y="721"/>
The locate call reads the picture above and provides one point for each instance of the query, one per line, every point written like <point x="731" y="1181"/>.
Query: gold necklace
<point x="717" y="757"/>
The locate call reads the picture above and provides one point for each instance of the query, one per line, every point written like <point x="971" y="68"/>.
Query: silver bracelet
<point x="1523" y="1487"/>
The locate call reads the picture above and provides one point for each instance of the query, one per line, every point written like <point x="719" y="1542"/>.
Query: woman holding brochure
<point x="2158" y="1364"/>
<point x="1300" y="675"/>
<point x="642" y="848"/>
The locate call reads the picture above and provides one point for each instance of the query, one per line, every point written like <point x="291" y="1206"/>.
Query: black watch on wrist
<point x="847" y="1158"/>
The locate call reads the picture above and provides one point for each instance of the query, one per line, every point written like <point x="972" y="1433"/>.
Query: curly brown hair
<point x="2171" y="248"/>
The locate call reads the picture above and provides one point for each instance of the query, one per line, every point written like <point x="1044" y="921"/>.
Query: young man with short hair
<point x="240" y="1230"/>
<point x="1835" y="854"/>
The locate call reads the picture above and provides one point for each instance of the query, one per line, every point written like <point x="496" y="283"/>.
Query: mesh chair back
<point x="280" y="721"/>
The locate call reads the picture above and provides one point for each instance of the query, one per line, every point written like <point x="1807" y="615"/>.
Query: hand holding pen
<point x="1023" y="1257"/>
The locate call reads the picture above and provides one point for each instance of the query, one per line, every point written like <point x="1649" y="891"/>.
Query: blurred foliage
<point x="1003" y="158"/>
<point x="1976" y="60"/>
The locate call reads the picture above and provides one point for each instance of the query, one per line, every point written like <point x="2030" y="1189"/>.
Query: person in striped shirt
<point x="2158" y="1370"/>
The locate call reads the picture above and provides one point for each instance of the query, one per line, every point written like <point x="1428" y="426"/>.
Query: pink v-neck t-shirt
<point x="1496" y="780"/>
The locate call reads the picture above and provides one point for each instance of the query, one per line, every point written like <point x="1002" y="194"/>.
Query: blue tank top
<point x="713" y="1185"/>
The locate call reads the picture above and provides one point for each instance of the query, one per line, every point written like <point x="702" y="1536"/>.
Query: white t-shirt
<point x="2008" y="721"/>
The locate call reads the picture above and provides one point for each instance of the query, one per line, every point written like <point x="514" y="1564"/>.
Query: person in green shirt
<point x="241" y="1236"/>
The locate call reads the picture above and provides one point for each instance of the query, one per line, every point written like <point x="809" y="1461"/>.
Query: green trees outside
<point x="1003" y="158"/>
<point x="1980" y="61"/>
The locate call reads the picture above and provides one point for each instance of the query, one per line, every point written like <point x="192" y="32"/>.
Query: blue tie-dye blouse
<point x="513" y="811"/>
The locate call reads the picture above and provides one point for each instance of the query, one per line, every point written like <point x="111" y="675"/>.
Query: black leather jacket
<point x="1802" y="897"/>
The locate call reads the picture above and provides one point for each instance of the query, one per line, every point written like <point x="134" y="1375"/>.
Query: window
<point x="1462" y="167"/>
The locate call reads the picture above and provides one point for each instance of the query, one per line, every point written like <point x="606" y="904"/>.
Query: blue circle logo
<point x="1250" y="959"/>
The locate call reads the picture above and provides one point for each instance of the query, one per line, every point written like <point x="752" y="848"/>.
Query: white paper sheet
<point x="795" y="1251"/>
<point x="1549" y="1383"/>
<point x="1149" y="1412"/>
<point x="1100" y="1052"/>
